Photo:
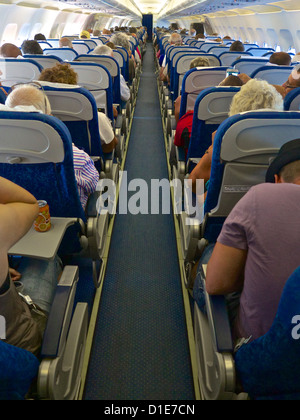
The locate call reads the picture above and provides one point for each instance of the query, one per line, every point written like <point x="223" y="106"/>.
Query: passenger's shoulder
<point x="273" y="191"/>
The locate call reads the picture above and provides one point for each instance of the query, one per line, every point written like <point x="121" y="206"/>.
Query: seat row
<point x="244" y="146"/>
<point x="40" y="159"/>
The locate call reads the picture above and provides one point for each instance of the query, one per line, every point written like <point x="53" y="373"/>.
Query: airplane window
<point x="286" y="39"/>
<point x="10" y="32"/>
<point x="24" y="32"/>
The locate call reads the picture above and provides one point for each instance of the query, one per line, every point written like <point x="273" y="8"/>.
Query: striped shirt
<point x="86" y="174"/>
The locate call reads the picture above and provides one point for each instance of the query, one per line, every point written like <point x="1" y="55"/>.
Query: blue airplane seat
<point x="18" y="369"/>
<point x="265" y="369"/>
<point x="40" y="159"/>
<point x="275" y="356"/>
<point x="3" y="96"/>
<point x="243" y="147"/>
<point x="204" y="124"/>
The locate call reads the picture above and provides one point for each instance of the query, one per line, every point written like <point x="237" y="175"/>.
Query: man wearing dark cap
<point x="258" y="248"/>
<point x="285" y="168"/>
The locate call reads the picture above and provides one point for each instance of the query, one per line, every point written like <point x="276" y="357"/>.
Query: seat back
<point x="122" y="58"/>
<point x="181" y="64"/>
<point x="65" y="54"/>
<point x="275" y="75"/>
<point x="113" y="68"/>
<point x="172" y="51"/>
<point x="36" y="153"/>
<point x="259" y="52"/>
<point x="77" y="108"/>
<point x="228" y="58"/>
<point x="249" y="65"/>
<point x="92" y="44"/>
<point x="98" y="41"/>
<point x="292" y="100"/>
<point x="244" y="146"/>
<point x="18" y="71"/>
<point x="46" y="61"/>
<point x="206" y="46"/>
<point x="218" y="50"/>
<point x="275" y="356"/>
<point x="98" y="81"/>
<point x="18" y="368"/>
<point x="195" y="81"/>
<point x="80" y="47"/>
<point x="54" y="42"/>
<point x="44" y="44"/>
<point x="211" y="109"/>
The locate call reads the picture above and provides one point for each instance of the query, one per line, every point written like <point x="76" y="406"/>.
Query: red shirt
<point x="184" y="130"/>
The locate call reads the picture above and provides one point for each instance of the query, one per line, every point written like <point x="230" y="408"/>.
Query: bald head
<point x="28" y="95"/>
<point x="10" y="51"/>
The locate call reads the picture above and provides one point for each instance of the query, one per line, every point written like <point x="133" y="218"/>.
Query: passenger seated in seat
<point x="175" y="39"/>
<point x="24" y="328"/>
<point x="197" y="62"/>
<point x="10" y="51"/>
<point x="65" y="43"/>
<point x="281" y="59"/>
<point x="63" y="73"/>
<point x="105" y="50"/>
<point x="31" y="47"/>
<point x="185" y="123"/>
<point x="257" y="249"/>
<point x="237" y="46"/>
<point x="86" y="174"/>
<point x="121" y="40"/>
<point x="293" y="82"/>
<point x="256" y="94"/>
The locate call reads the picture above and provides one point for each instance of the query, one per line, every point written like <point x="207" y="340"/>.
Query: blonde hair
<point x="29" y="95"/>
<point x="256" y="94"/>
<point x="200" y="62"/>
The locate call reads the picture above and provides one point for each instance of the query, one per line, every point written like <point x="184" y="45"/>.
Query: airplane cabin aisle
<point x="140" y="348"/>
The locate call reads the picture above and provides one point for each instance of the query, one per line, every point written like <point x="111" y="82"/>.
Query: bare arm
<point x="202" y="170"/>
<point x="177" y="107"/>
<point x="225" y="270"/>
<point x="108" y="148"/>
<point x="18" y="210"/>
<point x="12" y="193"/>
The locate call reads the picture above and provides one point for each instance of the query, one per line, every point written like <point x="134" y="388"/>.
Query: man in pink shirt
<point x="258" y="248"/>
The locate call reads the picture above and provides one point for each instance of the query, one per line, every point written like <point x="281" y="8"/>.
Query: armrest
<point x="108" y="156"/>
<point x="180" y="154"/>
<point x="119" y="121"/>
<point x="191" y="164"/>
<point x="60" y="315"/>
<point x="219" y="322"/>
<point x="91" y="207"/>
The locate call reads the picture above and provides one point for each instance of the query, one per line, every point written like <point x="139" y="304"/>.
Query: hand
<point x="14" y="274"/>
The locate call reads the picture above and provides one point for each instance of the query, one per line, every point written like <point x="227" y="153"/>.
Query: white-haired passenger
<point x="254" y="95"/>
<point x="86" y="174"/>
<point x="175" y="39"/>
<point x="105" y="50"/>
